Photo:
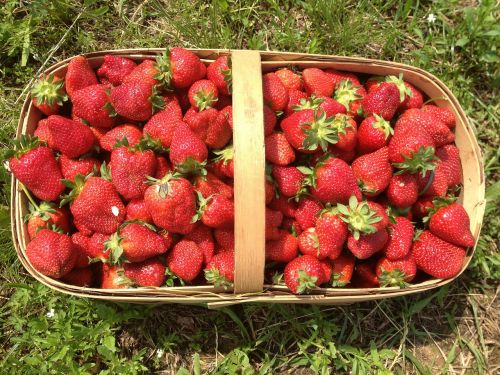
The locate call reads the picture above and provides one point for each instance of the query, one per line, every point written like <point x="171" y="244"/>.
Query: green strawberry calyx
<point x="422" y="161"/>
<point x="305" y="282"/>
<point x="163" y="187"/>
<point x="156" y="100"/>
<point x="49" y="91"/>
<point x="224" y="155"/>
<point x="22" y="145"/>
<point x="396" y="277"/>
<point x="171" y="278"/>
<point x="115" y="248"/>
<point x="76" y="187"/>
<point x="384" y="125"/>
<point x="213" y="276"/>
<point x="191" y="166"/>
<point x="404" y="90"/>
<point x="437" y="204"/>
<point x="202" y="204"/>
<point x="228" y="76"/>
<point x="320" y="132"/>
<point x="164" y="68"/>
<point x="334" y="281"/>
<point x="359" y="217"/>
<point x="41" y="210"/>
<point x="308" y="103"/>
<point x="204" y="99"/>
<point x="347" y="93"/>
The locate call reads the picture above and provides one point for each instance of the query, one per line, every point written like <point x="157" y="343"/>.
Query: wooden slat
<point x="249" y="172"/>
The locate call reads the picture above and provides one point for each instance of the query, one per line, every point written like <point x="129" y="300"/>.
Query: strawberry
<point x="444" y="115"/>
<point x="317" y="82"/>
<point x="343" y="268"/>
<point x="163" y="123"/>
<point x="223" y="164"/>
<point x="71" y="138"/>
<point x="307" y="212"/>
<point x="275" y="93"/>
<point x="114" y="69"/>
<point x="220" y="270"/>
<point x="203" y="94"/>
<point x="216" y="211"/>
<point x="373" y="171"/>
<point x="131" y="133"/>
<point x="82" y="228"/>
<point x="130" y="167"/>
<point x="51" y="253"/>
<point x="225" y="238"/>
<point x="396" y="272"/>
<point x="270" y="120"/>
<point x="327" y="266"/>
<point x="211" y="185"/>
<point x="346" y="130"/>
<point x="210" y="125"/>
<point x="45" y="215"/>
<point x="42" y="132"/>
<point x="400" y="238"/>
<point x="188" y="153"/>
<point x="83" y="165"/>
<point x="172" y="204"/>
<point x="97" y="249"/>
<point x="92" y="105"/>
<point x="137" y="210"/>
<point x="351" y="96"/>
<point x="364" y="276"/>
<point x="326" y="104"/>
<point x="79" y="75"/>
<point x="202" y="236"/>
<point x="146" y="71"/>
<point x="134" y="243"/>
<point x="347" y="156"/>
<point x="308" y="243"/>
<point x="95" y="204"/>
<point x="136" y="100"/>
<point x="83" y="277"/>
<point x="422" y="121"/>
<point x="332" y="181"/>
<point x="337" y="77"/>
<point x="36" y="167"/>
<point x="436" y="257"/>
<point x="151" y="272"/>
<point x="291" y="225"/>
<point x="180" y="68"/>
<point x="282" y="250"/>
<point x="383" y="101"/>
<point x="289" y="180"/>
<point x="162" y="167"/>
<point x="294" y="99"/>
<point x="449" y="161"/>
<point x="112" y="278"/>
<point x="373" y="134"/>
<point x="433" y="183"/>
<point x="402" y="191"/>
<point x="48" y="94"/>
<point x="409" y="96"/>
<point x="273" y="221"/>
<point x="219" y="72"/>
<point x="451" y="223"/>
<point x="286" y="206"/>
<point x="81" y="248"/>
<point x="332" y="233"/>
<point x="269" y="191"/>
<point x="278" y="150"/>
<point x="367" y="244"/>
<point x="363" y="217"/>
<point x="422" y="207"/>
<point x="303" y="274"/>
<point x="289" y="79"/>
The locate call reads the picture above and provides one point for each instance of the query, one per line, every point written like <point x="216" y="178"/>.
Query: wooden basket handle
<point x="249" y="172"/>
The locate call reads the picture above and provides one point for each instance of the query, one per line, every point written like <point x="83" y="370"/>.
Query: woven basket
<point x="248" y="139"/>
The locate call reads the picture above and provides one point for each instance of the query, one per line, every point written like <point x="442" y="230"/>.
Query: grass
<point x="450" y="330"/>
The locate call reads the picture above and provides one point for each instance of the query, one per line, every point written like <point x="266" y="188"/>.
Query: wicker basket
<point x="249" y="180"/>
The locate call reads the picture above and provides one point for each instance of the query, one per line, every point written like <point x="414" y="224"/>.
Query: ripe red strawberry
<point x="83" y="277"/>
<point x="172" y="204"/>
<point x="303" y="274"/>
<point x="363" y="217"/>
<point x="162" y="167"/>
<point x="291" y="225"/>
<point x="81" y="248"/>
<point x="307" y="212"/>
<point x="112" y="278"/>
<point x="130" y="168"/>
<point x="351" y="96"/>
<point x="273" y="221"/>
<point x="163" y="123"/>
<point x="328" y="105"/>
<point x="275" y="93"/>
<point x="289" y="180"/>
<point x="282" y="250"/>
<point x="180" y="68"/>
<point x="317" y="82"/>
<point x="147" y="71"/>
<point x="210" y="125"/>
<point x="326" y="265"/>
<point x="44" y="215"/>
<point x="400" y="238"/>
<point x="294" y="99"/>
<point x="333" y="181"/>
<point x="36" y="167"/>
<point x="347" y="133"/>
<point x="444" y="115"/>
<point x="278" y="150"/>
<point x="223" y="164"/>
<point x="114" y="69"/>
<point x="134" y="243"/>
<point x="211" y="185"/>
<point x="373" y="172"/>
<point x="270" y="120"/>
<point x="71" y="138"/>
<point x="367" y="244"/>
<point x="450" y="163"/>
<point x="136" y="100"/>
<point x="92" y="104"/>
<point x="219" y="73"/>
<point x="137" y="210"/>
<point x="203" y="94"/>
<point x="383" y="101"/>
<point x="308" y="243"/>
<point x="269" y="191"/>
<point x="451" y="223"/>
<point x="291" y="80"/>
<point x="51" y="253"/>
<point x="225" y="238"/>
<point x="424" y="122"/>
<point x="216" y="211"/>
<point x="96" y="249"/>
<point x="188" y="153"/>
<point x="151" y="272"/>
<point x="79" y="75"/>
<point x="373" y="134"/>
<point x="286" y="206"/>
<point x="132" y="133"/>
<point x="202" y="236"/>
<point x="403" y="190"/>
<point x="433" y="183"/>
<point x="42" y="132"/>
<point x="96" y="204"/>
<point x="220" y="270"/>
<point x="48" y="94"/>
<point x="422" y="207"/>
<point x="396" y="272"/>
<point x="436" y="257"/>
<point x="337" y="77"/>
<point x="343" y="268"/>
<point x="364" y="276"/>
<point x="82" y="228"/>
<point x="332" y="233"/>
<point x="409" y="96"/>
<point x="84" y="166"/>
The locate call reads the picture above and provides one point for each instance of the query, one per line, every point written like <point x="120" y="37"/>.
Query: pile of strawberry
<point x="141" y="153"/>
<point x="362" y="183"/>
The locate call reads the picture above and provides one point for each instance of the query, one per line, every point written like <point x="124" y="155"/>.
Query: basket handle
<point x="249" y="172"/>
